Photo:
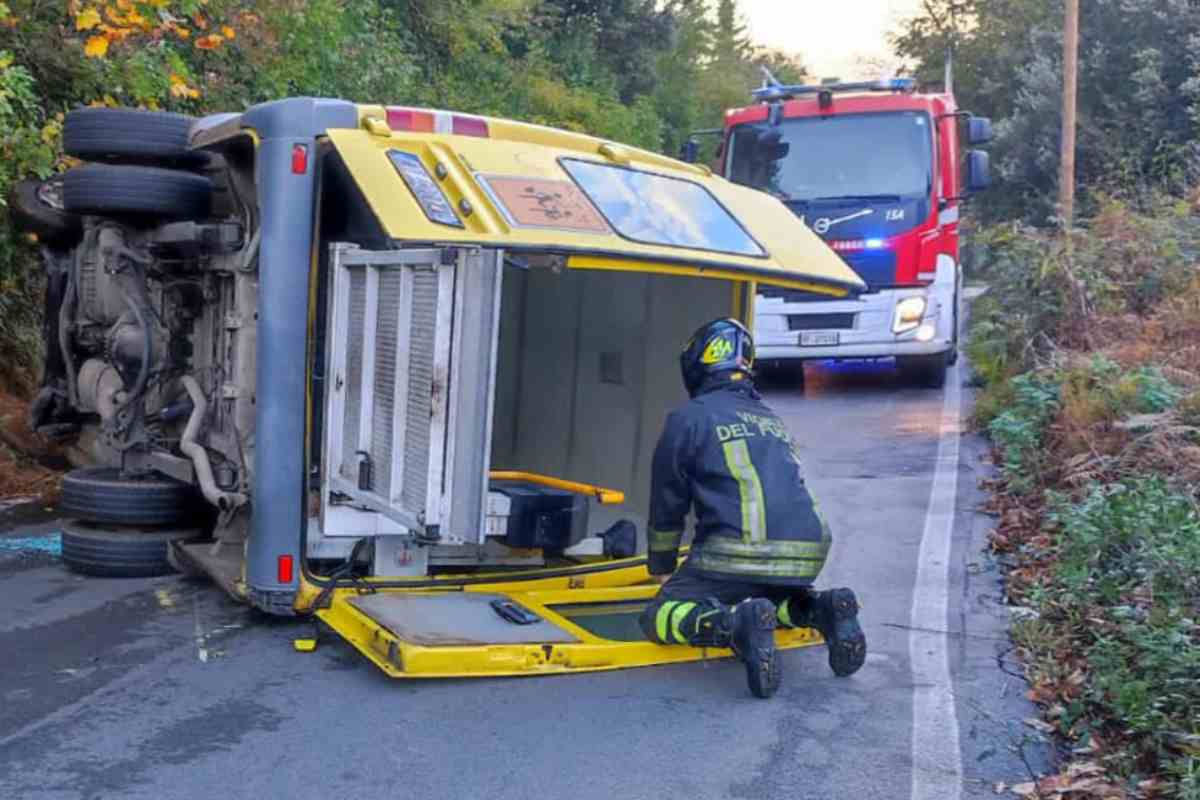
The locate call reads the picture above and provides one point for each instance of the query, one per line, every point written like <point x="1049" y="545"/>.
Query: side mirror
<point x="979" y="171"/>
<point x="979" y="130"/>
<point x="690" y="152"/>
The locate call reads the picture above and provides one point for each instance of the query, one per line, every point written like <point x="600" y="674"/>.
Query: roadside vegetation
<point x="1088" y="347"/>
<point x="1087" y="351"/>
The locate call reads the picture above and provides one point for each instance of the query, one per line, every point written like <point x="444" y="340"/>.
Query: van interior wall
<point x="588" y="369"/>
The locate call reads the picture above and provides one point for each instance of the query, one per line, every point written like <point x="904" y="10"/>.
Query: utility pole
<point x="1066" y="175"/>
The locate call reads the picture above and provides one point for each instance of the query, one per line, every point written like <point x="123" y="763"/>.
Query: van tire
<point x="119" y="552"/>
<point x="31" y="213"/>
<point x="109" y="191"/>
<point x="103" y="495"/>
<point x="129" y="136"/>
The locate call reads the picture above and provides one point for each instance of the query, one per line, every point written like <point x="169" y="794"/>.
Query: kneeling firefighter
<point x="759" y="540"/>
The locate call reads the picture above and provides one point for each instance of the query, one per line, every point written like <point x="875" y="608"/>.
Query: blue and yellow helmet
<point x="723" y="345"/>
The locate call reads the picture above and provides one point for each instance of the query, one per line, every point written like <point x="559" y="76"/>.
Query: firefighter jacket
<point x="730" y="459"/>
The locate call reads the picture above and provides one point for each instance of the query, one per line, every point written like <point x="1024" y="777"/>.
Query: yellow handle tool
<point x="603" y="496"/>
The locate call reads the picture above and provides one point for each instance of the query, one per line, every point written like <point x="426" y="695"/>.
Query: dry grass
<point x="24" y="456"/>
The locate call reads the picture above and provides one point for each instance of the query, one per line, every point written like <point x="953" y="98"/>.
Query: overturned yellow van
<point x="412" y="365"/>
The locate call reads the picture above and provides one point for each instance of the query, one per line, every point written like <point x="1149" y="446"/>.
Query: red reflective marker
<point x="286" y="570"/>
<point x="299" y="159"/>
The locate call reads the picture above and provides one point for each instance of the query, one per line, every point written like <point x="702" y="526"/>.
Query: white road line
<point x="936" y="759"/>
<point x="198" y="631"/>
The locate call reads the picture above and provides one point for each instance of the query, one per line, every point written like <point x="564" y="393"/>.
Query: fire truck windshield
<point x="876" y="155"/>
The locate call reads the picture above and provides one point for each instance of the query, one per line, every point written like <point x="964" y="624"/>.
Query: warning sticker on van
<point x="543" y="203"/>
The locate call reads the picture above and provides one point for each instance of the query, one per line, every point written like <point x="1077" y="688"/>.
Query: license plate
<point x="818" y="339"/>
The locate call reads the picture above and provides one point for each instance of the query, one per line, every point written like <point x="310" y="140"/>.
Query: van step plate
<point x="453" y="618"/>
<point x="458" y="634"/>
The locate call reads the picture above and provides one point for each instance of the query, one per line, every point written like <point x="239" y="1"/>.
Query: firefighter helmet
<point x="723" y="345"/>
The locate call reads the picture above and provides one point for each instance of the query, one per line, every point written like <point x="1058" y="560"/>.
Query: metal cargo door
<point x="411" y="366"/>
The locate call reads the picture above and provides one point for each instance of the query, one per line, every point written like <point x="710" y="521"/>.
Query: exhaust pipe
<point x="225" y="501"/>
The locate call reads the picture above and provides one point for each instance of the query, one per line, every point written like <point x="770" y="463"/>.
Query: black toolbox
<point x="541" y="517"/>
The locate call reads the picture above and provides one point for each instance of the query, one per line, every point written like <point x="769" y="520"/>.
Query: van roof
<point x="440" y="177"/>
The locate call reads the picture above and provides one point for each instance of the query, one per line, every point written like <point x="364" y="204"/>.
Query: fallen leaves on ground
<point x="1081" y="780"/>
<point x="21" y="474"/>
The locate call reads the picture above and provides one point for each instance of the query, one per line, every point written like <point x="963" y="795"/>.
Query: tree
<point x="731" y="46"/>
<point x="1139" y="93"/>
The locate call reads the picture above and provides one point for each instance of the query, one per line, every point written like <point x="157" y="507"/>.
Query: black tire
<point x="788" y="375"/>
<point x="101" y="494"/>
<point x="110" y="191"/>
<point x="36" y="207"/>
<point x="952" y="359"/>
<point x="119" y="552"/>
<point x="928" y="371"/>
<point x="129" y="136"/>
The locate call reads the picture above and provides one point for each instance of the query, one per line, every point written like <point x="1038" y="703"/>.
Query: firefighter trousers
<point x="690" y="608"/>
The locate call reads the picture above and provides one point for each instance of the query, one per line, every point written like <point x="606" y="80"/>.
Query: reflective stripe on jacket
<point x="729" y="458"/>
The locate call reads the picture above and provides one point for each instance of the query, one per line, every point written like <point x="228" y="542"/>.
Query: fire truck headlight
<point x="909" y="312"/>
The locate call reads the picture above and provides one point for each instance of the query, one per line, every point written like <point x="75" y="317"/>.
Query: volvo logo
<point x="822" y="224"/>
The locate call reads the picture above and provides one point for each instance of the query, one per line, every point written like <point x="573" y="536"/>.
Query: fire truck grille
<point x="876" y="268"/>
<point x="820" y="322"/>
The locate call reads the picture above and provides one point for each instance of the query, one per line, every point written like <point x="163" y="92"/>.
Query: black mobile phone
<point x="514" y="613"/>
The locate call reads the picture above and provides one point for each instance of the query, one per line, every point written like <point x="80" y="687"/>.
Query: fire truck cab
<point x="878" y="171"/>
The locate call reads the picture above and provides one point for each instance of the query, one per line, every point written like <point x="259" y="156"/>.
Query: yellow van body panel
<point x="477" y="177"/>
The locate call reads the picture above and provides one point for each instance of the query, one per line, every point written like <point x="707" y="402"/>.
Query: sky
<point x="832" y="37"/>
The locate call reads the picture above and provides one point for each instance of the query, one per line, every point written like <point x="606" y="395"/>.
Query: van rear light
<point x="417" y="120"/>
<point x="286" y="569"/>
<point x="299" y="159"/>
<point x="470" y="126"/>
<point x="409" y="119"/>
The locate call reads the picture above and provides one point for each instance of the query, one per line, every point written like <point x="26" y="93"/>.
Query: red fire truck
<point x="876" y="170"/>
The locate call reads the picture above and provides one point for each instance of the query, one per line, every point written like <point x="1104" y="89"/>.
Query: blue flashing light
<point x="874" y="244"/>
<point x="901" y="84"/>
<point x="772" y="91"/>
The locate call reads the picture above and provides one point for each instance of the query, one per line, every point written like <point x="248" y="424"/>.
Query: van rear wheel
<point x="120" y="552"/>
<point x="104" y="495"/>
<point x="108" y="191"/>
<point x="129" y="136"/>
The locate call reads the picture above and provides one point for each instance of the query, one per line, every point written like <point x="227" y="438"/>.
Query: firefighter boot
<point x="835" y="614"/>
<point x="753" y="640"/>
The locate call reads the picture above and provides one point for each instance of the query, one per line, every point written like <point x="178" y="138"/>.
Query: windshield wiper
<point x="865" y="198"/>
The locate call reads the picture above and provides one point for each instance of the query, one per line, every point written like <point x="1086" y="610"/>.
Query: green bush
<point x="1047" y="292"/>
<point x="29" y="146"/>
<point x="1128" y="574"/>
<point x="1018" y="430"/>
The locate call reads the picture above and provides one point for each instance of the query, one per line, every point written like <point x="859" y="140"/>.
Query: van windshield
<point x="657" y="209"/>
<point x="822" y="158"/>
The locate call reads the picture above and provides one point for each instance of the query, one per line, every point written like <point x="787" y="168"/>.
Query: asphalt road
<point x="163" y="688"/>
